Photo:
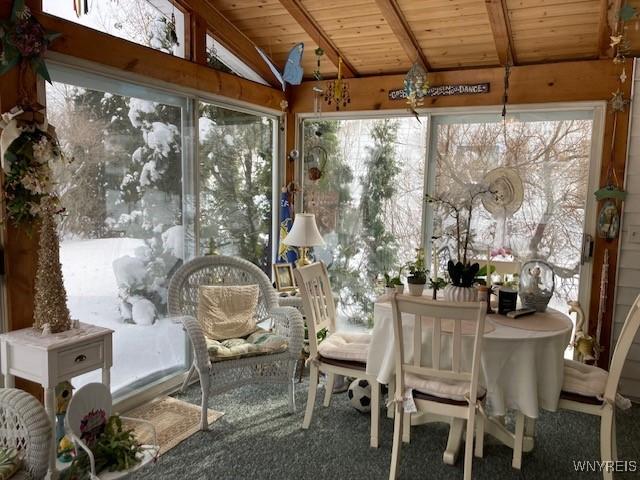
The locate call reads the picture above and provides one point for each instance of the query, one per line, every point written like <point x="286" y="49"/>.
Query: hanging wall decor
<point x="337" y="91"/>
<point x="416" y="86"/>
<point x="293" y="72"/>
<point x="28" y="147"/>
<point x="23" y="41"/>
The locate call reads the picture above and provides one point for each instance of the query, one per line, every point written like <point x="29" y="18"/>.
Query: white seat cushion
<point x="584" y="379"/>
<point x="346" y="346"/>
<point x="451" y="389"/>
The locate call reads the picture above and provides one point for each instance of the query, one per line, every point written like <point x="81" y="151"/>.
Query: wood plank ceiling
<point x="376" y="37"/>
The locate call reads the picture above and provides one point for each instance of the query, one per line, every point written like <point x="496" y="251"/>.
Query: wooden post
<point x="20" y="244"/>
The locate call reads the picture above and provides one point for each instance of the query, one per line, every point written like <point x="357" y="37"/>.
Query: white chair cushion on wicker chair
<point x="453" y="390"/>
<point x="227" y="311"/>
<point x="353" y="347"/>
<point x="260" y="342"/>
<point x="584" y="379"/>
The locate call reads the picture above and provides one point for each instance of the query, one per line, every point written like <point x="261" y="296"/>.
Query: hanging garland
<point x="24" y="41"/>
<point x="28" y="147"/>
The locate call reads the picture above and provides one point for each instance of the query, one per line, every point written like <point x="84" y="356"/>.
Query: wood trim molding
<point x="501" y="28"/>
<point x="607" y="25"/>
<point x="393" y="15"/>
<point x="80" y="42"/>
<point x="309" y="25"/>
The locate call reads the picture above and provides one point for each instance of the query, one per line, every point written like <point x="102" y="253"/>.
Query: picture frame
<point x="283" y="275"/>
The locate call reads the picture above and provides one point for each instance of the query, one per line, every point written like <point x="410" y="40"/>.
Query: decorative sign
<point x="444" y="91"/>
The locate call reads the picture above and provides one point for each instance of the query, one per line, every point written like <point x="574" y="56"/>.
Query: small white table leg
<point x="454" y="442"/>
<point x="106" y="376"/>
<point x="9" y="381"/>
<point x="50" y="407"/>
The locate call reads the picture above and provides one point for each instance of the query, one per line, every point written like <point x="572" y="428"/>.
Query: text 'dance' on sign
<point x="444" y="90"/>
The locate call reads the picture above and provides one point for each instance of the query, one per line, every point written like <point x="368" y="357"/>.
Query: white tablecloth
<point x="521" y="369"/>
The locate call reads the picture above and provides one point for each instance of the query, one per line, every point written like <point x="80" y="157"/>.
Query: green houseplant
<point x="393" y="284"/>
<point x="417" y="277"/>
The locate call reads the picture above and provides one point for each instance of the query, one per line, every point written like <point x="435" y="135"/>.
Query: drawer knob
<point x="80" y="358"/>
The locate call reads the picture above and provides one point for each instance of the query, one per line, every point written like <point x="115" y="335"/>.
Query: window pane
<point x="220" y="58"/>
<point x="121" y="234"/>
<point x="368" y="203"/>
<point x="551" y="154"/>
<point x="154" y="23"/>
<point x="236" y="156"/>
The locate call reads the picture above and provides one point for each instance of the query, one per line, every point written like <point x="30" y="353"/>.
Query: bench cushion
<point x="260" y="342"/>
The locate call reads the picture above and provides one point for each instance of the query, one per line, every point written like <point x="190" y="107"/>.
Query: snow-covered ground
<point x="139" y="351"/>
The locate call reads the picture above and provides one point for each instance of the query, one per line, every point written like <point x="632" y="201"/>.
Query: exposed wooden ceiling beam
<point x="309" y="25"/>
<point x="499" y="21"/>
<point x="607" y="25"/>
<point x="394" y="17"/>
<point x="232" y="37"/>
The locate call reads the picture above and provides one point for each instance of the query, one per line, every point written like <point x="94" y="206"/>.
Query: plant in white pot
<point x="393" y="284"/>
<point x="462" y="273"/>
<point x="417" y="277"/>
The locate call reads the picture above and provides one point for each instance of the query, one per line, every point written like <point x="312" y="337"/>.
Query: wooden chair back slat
<point x="435" y="343"/>
<point x="417" y="341"/>
<point x="317" y="300"/>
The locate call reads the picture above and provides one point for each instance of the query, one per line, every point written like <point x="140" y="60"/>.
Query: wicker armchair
<point x="219" y="377"/>
<point x="24" y="425"/>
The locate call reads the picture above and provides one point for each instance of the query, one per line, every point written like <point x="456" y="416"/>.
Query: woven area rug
<point x="173" y="419"/>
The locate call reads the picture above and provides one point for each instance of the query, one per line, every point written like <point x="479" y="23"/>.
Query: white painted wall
<point x="628" y="275"/>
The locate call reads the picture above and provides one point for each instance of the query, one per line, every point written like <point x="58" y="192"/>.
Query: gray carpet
<point x="257" y="439"/>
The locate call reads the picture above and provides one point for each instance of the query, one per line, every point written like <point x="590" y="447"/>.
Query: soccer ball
<point x="360" y="395"/>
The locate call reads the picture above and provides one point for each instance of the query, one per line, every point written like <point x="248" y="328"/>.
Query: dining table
<point x="522" y="366"/>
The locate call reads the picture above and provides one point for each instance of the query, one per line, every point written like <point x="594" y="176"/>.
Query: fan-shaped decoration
<point x="506" y="192"/>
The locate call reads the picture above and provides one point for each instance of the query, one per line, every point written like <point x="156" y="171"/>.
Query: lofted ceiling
<point x="376" y="37"/>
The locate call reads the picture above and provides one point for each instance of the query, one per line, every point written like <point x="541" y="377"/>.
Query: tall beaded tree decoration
<point x="51" y="296"/>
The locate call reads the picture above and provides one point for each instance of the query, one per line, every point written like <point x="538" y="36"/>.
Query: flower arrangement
<point x="26" y="163"/>
<point x="22" y="38"/>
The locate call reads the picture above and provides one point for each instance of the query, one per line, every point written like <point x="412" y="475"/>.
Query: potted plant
<point x="417" y="277"/>
<point x="393" y="284"/>
<point x="461" y="272"/>
<point x="436" y="284"/>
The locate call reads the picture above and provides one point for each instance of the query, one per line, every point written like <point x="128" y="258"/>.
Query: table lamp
<point x="303" y="234"/>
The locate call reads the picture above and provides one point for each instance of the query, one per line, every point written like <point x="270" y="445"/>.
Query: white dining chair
<point x="592" y="390"/>
<point x="445" y="388"/>
<point x="340" y="353"/>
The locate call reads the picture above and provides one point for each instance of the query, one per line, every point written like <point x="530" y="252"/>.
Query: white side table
<point x="53" y="359"/>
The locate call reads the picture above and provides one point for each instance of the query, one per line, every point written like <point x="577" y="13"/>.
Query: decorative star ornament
<point x="618" y="103"/>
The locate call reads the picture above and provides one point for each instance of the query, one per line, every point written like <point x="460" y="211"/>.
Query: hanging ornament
<point x="337" y="92"/>
<point x="416" y="86"/>
<point x="81" y="7"/>
<point x="318" y="92"/>
<point x="618" y="103"/>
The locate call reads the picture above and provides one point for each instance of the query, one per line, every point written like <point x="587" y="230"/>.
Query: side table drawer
<point x="81" y="359"/>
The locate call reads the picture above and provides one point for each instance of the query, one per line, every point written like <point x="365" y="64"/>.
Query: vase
<point x="416" y="289"/>
<point x="399" y="288"/>
<point x="389" y="290"/>
<point x="460" y="294"/>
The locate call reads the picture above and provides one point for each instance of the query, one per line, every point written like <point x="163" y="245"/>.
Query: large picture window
<point x="122" y="232"/>
<point x="370" y="197"/>
<point x="236" y="158"/>
<point x="367" y="201"/>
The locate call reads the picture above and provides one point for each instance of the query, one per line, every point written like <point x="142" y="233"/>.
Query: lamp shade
<point x="304" y="232"/>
